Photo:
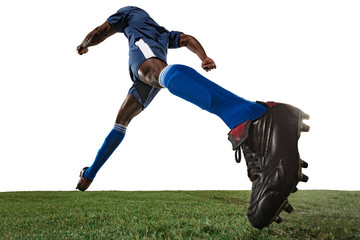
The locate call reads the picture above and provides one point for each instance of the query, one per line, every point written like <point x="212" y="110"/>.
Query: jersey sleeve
<point x="174" y="39"/>
<point x="119" y="19"/>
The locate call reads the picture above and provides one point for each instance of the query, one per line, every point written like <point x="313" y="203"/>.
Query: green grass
<point x="172" y="215"/>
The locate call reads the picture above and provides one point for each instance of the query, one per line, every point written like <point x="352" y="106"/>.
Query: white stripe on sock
<point x="163" y="74"/>
<point x="145" y="49"/>
<point x="120" y="128"/>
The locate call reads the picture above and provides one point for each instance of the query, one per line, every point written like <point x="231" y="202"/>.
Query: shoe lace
<point x="251" y="158"/>
<point x="238" y="154"/>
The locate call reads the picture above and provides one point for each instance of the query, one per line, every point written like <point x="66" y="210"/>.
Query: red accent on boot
<point x="272" y="104"/>
<point x="238" y="131"/>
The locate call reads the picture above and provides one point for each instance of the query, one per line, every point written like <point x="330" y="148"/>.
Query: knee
<point x="152" y="77"/>
<point x="150" y="70"/>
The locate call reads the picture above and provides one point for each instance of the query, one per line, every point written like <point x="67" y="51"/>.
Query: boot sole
<point x="302" y="127"/>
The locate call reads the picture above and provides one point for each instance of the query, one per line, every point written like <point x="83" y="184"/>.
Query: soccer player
<point x="266" y="132"/>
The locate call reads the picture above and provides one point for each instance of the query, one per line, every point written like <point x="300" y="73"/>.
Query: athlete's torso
<point x="136" y="24"/>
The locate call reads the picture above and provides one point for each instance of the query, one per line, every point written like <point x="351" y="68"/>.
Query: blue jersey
<point x="143" y="33"/>
<point x="147" y="39"/>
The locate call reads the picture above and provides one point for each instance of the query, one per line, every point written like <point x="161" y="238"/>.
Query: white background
<point x="57" y="107"/>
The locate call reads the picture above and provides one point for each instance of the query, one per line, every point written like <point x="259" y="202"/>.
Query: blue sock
<point x="188" y="84"/>
<point x="111" y="142"/>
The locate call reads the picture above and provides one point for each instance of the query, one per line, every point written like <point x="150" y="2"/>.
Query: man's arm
<point x="194" y="45"/>
<point x="95" y="37"/>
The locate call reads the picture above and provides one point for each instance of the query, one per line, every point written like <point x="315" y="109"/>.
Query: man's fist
<point x="81" y="50"/>
<point x="208" y="64"/>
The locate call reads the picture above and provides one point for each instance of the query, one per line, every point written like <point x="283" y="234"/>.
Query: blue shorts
<point x="139" y="53"/>
<point x="143" y="92"/>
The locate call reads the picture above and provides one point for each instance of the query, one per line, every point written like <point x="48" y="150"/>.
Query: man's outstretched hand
<point x="208" y="64"/>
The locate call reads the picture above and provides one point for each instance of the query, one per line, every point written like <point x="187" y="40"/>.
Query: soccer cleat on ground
<point x="84" y="182"/>
<point x="270" y="149"/>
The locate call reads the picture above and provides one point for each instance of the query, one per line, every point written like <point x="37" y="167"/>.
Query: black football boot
<point x="270" y="149"/>
<point x="84" y="182"/>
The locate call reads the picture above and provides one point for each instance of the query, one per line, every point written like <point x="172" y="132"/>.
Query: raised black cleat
<point x="304" y="127"/>
<point x="269" y="146"/>
<point x="304" y="164"/>
<point x="305" y="116"/>
<point x="278" y="219"/>
<point x="303" y="177"/>
<point x="288" y="208"/>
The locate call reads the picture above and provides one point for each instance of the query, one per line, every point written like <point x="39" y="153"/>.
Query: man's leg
<point x="268" y="134"/>
<point x="189" y="85"/>
<point x="129" y="109"/>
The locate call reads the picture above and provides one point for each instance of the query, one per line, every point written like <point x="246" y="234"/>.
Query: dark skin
<point x="149" y="71"/>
